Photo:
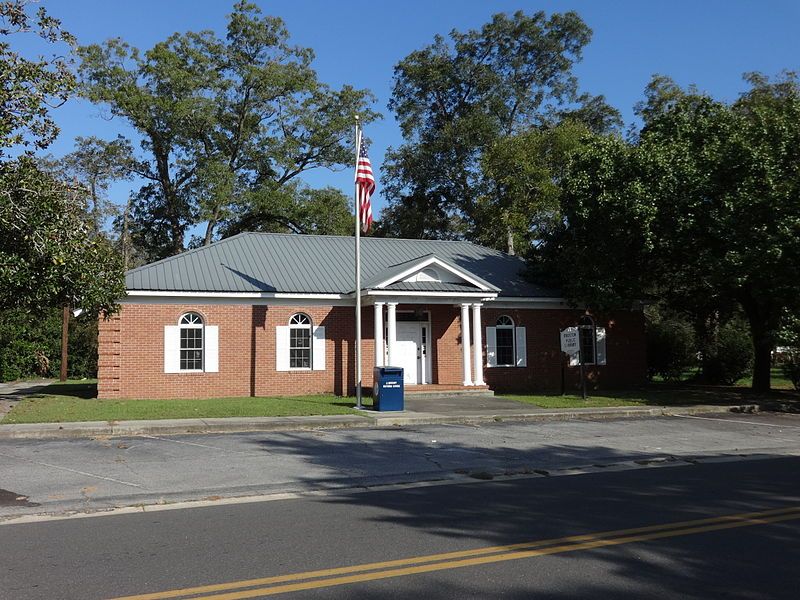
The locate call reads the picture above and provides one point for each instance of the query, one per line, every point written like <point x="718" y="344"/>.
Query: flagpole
<point x="358" y="272"/>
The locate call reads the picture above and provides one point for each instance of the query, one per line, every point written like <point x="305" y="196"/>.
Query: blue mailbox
<point x="387" y="389"/>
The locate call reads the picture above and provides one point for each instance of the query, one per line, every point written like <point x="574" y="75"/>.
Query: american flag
<point x="365" y="186"/>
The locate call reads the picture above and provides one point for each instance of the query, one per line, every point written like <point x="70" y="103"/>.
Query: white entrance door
<point x="412" y="352"/>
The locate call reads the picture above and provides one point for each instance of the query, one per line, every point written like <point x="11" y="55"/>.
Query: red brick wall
<point x="625" y="351"/>
<point x="131" y="351"/>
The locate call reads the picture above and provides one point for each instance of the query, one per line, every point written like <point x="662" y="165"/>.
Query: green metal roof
<point x="289" y="263"/>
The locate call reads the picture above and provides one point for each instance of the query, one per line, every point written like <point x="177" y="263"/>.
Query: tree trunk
<point x="212" y="222"/>
<point x="64" y="342"/>
<point x="764" y="322"/>
<point x="762" y="351"/>
<point x="96" y="218"/>
<point x="510" y="234"/>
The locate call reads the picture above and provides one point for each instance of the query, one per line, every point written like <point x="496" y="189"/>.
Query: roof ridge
<point x="363" y="237"/>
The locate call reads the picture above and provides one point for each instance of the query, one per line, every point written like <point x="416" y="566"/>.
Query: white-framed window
<point x="191" y="346"/>
<point x="300" y="347"/>
<point x="591" y="343"/>
<point x="506" y="344"/>
<point x="506" y="355"/>
<point x="587" y="339"/>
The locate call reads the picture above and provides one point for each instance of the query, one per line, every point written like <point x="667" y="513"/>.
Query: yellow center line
<point x="478" y="556"/>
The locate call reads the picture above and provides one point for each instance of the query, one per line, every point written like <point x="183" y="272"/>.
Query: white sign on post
<point x="569" y="341"/>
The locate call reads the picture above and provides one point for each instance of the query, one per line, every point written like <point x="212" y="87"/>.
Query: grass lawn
<point x="76" y="401"/>
<point x="682" y="393"/>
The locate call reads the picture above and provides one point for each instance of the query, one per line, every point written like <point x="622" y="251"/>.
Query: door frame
<point x="424" y="353"/>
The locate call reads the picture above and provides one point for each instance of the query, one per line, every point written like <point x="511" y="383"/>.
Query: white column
<point x="465" y="340"/>
<point x="379" y="334"/>
<point x="391" y="337"/>
<point x="477" y="343"/>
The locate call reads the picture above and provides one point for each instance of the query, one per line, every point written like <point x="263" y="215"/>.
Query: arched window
<point x="505" y="341"/>
<point x="191" y="330"/>
<point x="300" y="341"/>
<point x="588" y="339"/>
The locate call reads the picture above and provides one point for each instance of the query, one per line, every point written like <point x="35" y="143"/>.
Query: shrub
<point x="729" y="357"/>
<point x="30" y="345"/>
<point x="671" y="348"/>
<point x="791" y="367"/>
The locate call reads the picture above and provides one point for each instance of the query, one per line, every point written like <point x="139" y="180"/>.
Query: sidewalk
<point x="368" y="419"/>
<point x="13" y="392"/>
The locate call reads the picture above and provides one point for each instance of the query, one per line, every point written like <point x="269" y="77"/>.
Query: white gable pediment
<point x="432" y="274"/>
<point x="434" y="270"/>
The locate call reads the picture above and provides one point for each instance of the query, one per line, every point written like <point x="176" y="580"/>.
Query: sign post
<point x="570" y="345"/>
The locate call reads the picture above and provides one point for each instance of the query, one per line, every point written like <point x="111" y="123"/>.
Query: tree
<point x="457" y="98"/>
<point x="95" y="164"/>
<point x="48" y="255"/>
<point x="293" y="208"/>
<point x="31" y="87"/>
<point x="702" y="210"/>
<point x="222" y="120"/>
<point x="523" y="175"/>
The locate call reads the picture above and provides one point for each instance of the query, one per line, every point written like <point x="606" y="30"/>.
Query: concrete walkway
<point x="464" y="413"/>
<point x="14" y="391"/>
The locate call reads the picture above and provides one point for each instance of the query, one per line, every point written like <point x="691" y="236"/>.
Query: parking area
<point x="88" y="474"/>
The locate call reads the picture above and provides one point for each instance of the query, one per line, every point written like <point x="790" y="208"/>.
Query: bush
<point x="729" y="357"/>
<point x="30" y="345"/>
<point x="671" y="348"/>
<point x="791" y="367"/>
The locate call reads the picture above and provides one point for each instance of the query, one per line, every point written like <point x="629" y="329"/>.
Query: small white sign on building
<point x="569" y="341"/>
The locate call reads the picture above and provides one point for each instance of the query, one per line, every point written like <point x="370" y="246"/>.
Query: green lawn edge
<point x="75" y="401"/>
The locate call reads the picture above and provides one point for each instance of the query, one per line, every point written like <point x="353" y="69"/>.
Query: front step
<point x="447" y="391"/>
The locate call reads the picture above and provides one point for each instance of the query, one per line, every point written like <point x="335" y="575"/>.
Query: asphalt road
<point x="85" y="475"/>
<point x="750" y="556"/>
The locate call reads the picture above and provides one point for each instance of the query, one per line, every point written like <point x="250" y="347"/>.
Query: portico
<point x="415" y="302"/>
<point x="405" y="336"/>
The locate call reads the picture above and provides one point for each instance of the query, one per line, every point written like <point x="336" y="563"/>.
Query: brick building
<point x="271" y="314"/>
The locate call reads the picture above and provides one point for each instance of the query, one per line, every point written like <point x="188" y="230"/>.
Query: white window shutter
<point x="172" y="349"/>
<point x="282" y="348"/>
<point x="212" y="348"/>
<point x="318" y="349"/>
<point x="522" y="347"/>
<point x="600" y="359"/>
<point x="491" y="346"/>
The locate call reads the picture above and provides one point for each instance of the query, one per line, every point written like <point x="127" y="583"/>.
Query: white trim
<point x="426" y="263"/>
<point x="172" y="349"/>
<point x="238" y="301"/>
<point x="318" y="348"/>
<point x="176" y="294"/>
<point x="482" y="295"/>
<point x="513" y="329"/>
<point x="211" y="351"/>
<point x="465" y="345"/>
<point x="477" y="344"/>
<point x="521" y="346"/>
<point x="391" y="332"/>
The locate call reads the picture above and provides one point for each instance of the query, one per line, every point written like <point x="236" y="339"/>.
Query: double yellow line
<point x="280" y="584"/>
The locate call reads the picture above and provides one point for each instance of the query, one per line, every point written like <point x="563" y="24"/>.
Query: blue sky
<point x="710" y="43"/>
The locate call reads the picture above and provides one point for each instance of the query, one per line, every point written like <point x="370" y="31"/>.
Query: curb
<point x="94" y="429"/>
